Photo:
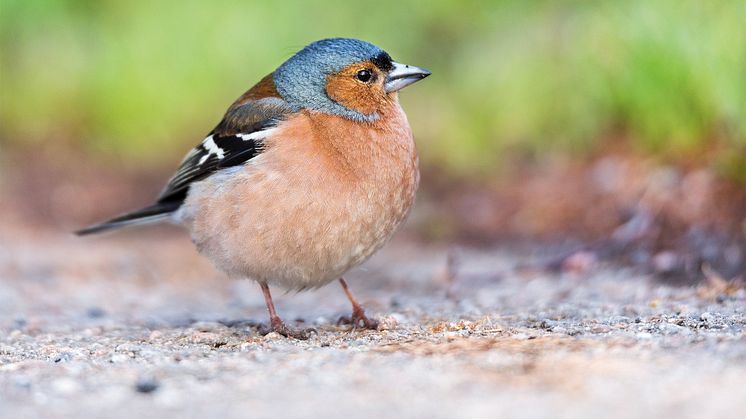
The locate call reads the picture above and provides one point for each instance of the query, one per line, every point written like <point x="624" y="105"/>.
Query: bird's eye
<point x="364" y="75"/>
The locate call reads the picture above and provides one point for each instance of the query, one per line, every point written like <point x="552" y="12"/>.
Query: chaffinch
<point x="308" y="174"/>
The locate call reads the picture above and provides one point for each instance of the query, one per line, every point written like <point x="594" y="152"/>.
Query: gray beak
<point x="402" y="75"/>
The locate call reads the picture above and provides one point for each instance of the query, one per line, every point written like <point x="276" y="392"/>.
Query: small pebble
<point x="600" y="328"/>
<point x="273" y="336"/>
<point x="95" y="312"/>
<point x="146" y="385"/>
<point x="62" y="357"/>
<point x="389" y="322"/>
<point x="118" y="358"/>
<point x="671" y="329"/>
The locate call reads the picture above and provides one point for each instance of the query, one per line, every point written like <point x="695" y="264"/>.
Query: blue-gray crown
<point x="301" y="80"/>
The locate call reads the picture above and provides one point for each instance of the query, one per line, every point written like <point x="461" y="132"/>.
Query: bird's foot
<point x="359" y="320"/>
<point x="279" y="327"/>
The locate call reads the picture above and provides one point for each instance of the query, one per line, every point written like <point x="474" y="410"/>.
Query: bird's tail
<point x="156" y="212"/>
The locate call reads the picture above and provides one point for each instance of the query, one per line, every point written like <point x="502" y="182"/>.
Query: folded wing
<point x="237" y="139"/>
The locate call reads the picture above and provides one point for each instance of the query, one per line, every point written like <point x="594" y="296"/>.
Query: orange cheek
<point x="348" y="92"/>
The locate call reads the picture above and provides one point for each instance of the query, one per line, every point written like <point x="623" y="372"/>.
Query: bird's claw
<point x="359" y="320"/>
<point x="282" y="329"/>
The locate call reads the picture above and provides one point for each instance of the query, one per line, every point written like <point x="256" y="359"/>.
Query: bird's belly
<point x="294" y="231"/>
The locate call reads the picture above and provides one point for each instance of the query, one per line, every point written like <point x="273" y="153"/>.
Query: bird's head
<point x="345" y="77"/>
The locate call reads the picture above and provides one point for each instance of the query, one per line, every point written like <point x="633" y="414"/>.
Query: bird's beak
<point x="402" y="75"/>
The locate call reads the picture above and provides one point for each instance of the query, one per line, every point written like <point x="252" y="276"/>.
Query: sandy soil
<point x="138" y="325"/>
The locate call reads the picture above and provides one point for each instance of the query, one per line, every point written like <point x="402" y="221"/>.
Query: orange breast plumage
<point x="321" y="198"/>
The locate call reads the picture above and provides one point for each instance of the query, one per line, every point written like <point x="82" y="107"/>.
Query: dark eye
<point x="364" y="75"/>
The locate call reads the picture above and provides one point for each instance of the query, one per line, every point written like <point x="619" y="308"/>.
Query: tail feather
<point x="153" y="213"/>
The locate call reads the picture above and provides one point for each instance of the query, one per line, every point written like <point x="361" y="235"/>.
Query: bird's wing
<point x="236" y="139"/>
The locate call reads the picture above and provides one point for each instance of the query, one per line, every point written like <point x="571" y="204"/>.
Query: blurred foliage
<point x="147" y="79"/>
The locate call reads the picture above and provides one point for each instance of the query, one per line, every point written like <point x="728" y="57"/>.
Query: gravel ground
<point x="138" y="325"/>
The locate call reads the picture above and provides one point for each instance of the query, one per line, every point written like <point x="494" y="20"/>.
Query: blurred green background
<point x="147" y="79"/>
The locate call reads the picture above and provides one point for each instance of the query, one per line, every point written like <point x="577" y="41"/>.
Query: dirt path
<point x="127" y="326"/>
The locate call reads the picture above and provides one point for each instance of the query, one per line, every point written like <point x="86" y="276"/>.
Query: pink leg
<point x="358" y="318"/>
<point x="277" y="325"/>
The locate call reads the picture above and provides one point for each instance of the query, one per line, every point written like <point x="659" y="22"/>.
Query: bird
<point x="307" y="175"/>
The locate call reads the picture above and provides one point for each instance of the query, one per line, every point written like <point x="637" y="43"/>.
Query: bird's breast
<point x="323" y="197"/>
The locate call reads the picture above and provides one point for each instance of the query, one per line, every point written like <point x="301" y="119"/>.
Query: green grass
<point x="148" y="79"/>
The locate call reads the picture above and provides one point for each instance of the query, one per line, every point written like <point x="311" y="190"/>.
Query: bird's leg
<point x="358" y="318"/>
<point x="276" y="323"/>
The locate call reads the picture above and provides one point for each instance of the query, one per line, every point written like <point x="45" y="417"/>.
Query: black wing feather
<point x="228" y="145"/>
<point x="203" y="161"/>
